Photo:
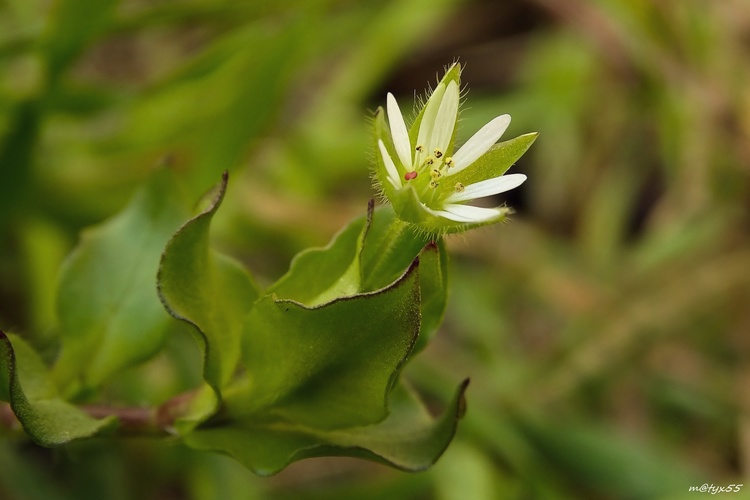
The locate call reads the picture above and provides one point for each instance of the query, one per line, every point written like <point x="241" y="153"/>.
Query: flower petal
<point x="467" y="213"/>
<point x="399" y="133"/>
<point x="428" y="123"/>
<point x="479" y="143"/>
<point x="389" y="166"/>
<point x="496" y="185"/>
<point x="445" y="121"/>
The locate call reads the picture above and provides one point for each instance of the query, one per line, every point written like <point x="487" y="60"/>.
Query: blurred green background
<point x="605" y="329"/>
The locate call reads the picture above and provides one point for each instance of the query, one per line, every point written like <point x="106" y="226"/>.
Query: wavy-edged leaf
<point x="110" y="315"/>
<point x="367" y="255"/>
<point x="328" y="366"/>
<point x="409" y="439"/>
<point x="46" y="418"/>
<point x="208" y="290"/>
<point x="319" y="275"/>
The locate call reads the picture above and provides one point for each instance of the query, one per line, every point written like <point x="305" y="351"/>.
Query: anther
<point x="435" y="173"/>
<point x="410" y="175"/>
<point x="419" y="149"/>
<point x="437" y="153"/>
<point x="429" y="160"/>
<point x="459" y="187"/>
<point x="434" y="184"/>
<point x="449" y="161"/>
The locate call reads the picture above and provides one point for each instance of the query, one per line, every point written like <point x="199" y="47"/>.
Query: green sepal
<point x="379" y="173"/>
<point x="110" y="315"/>
<point x="408" y="439"/>
<point x="327" y="366"/>
<point x="409" y="209"/>
<point x="493" y="163"/>
<point x="208" y="290"/>
<point x="33" y="396"/>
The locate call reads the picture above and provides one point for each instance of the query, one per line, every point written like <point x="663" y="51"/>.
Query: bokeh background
<point x="605" y="329"/>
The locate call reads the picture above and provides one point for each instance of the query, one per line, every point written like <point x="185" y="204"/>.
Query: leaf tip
<point x="461" y="406"/>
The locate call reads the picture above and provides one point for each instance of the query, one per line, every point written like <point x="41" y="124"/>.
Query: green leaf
<point x="196" y="407"/>
<point x="409" y="438"/>
<point x="320" y="275"/>
<point x="46" y="418"/>
<point x="433" y="283"/>
<point x="207" y="290"/>
<point x="390" y="247"/>
<point x="367" y="255"/>
<point x="328" y="366"/>
<point x="110" y="315"/>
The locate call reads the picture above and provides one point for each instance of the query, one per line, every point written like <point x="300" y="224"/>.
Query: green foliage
<point x="408" y="438"/>
<point x="210" y="291"/>
<point x="108" y="309"/>
<point x="46" y="417"/>
<point x="320" y="356"/>
<point x="296" y="376"/>
<point x="608" y="317"/>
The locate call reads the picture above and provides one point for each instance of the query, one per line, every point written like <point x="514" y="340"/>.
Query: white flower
<point x="423" y="166"/>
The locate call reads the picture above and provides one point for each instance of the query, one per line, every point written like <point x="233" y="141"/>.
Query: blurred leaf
<point x="247" y="87"/>
<point x="466" y="472"/>
<point x="72" y="25"/>
<point x="21" y="478"/>
<point x="408" y="439"/>
<point x="16" y="148"/>
<point x="44" y="248"/>
<point x="217" y="476"/>
<point x="207" y="290"/>
<point x="110" y="315"/>
<point x="378" y="37"/>
<point x="598" y="460"/>
<point x="46" y="418"/>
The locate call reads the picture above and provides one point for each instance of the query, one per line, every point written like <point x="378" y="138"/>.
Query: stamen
<point x="410" y="175"/>
<point x="435" y="174"/>
<point x="459" y="187"/>
<point x="419" y="148"/>
<point x="437" y="153"/>
<point x="429" y="160"/>
<point x="449" y="161"/>
<point x="434" y="184"/>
